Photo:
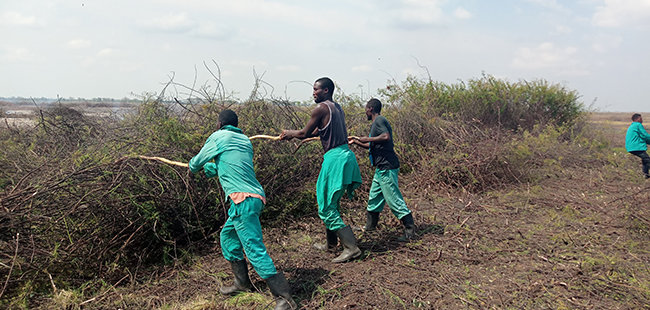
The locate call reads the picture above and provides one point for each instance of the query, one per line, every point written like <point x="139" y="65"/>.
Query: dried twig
<point x="304" y="141"/>
<point x="13" y="262"/>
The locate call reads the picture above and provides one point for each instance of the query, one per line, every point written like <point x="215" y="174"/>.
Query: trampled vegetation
<point x="485" y="166"/>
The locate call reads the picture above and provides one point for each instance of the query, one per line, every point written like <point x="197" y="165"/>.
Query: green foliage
<point x="468" y="135"/>
<point x="91" y="209"/>
<point x="489" y="101"/>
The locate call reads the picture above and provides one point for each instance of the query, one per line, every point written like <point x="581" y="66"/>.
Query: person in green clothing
<point x="339" y="172"/>
<point x="636" y="142"/>
<point x="232" y="153"/>
<point x="384" y="188"/>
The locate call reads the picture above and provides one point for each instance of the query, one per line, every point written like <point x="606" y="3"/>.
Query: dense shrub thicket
<point x="77" y="204"/>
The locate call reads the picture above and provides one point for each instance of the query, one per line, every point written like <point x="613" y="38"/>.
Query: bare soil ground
<point x="579" y="239"/>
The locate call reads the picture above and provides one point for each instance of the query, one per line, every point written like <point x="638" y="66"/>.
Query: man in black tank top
<point x="339" y="172"/>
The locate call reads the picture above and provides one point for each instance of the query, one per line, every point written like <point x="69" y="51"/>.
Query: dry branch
<point x="165" y="160"/>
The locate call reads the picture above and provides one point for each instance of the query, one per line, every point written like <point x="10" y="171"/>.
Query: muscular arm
<point x="311" y="129"/>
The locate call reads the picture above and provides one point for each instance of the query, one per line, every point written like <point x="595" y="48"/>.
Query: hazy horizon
<point x="123" y="48"/>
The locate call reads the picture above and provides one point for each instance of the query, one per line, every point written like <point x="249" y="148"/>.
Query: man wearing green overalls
<point x="339" y="172"/>
<point x="232" y="153"/>
<point x="384" y="188"/>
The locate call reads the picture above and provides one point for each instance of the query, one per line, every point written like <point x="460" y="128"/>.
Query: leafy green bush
<point x="489" y="101"/>
<point x="84" y="206"/>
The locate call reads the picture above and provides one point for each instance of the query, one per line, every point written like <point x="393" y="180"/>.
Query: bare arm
<point x="380" y="138"/>
<point x="311" y="129"/>
<point x="353" y="140"/>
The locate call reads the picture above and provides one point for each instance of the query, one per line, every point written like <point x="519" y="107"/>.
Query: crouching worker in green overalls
<point x="242" y="233"/>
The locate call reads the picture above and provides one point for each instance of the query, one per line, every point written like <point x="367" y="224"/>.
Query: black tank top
<point x="334" y="133"/>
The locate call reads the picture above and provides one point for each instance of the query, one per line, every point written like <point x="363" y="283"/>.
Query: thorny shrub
<point x="78" y="205"/>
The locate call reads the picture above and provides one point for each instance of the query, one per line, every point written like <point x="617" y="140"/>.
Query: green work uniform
<point x="339" y="174"/>
<point x="636" y="138"/>
<point x="384" y="188"/>
<point x="232" y="152"/>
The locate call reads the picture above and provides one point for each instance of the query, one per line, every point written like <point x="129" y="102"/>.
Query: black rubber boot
<point x="281" y="291"/>
<point x="242" y="281"/>
<point x="349" y="241"/>
<point x="372" y="218"/>
<point x="331" y="241"/>
<point x="409" y="228"/>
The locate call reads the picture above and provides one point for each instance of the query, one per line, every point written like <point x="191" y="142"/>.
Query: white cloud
<point x="183" y="23"/>
<point x="545" y="56"/>
<point x="362" y="68"/>
<point x="78" y="43"/>
<point x="105" y="52"/>
<point x="15" y="18"/>
<point x="563" y="29"/>
<point x="102" y="54"/>
<point x="605" y="42"/>
<point x="461" y="13"/>
<point x="18" y="54"/>
<point x="616" y="13"/>
<point x="250" y="64"/>
<point x="173" y="22"/>
<point x="131" y="66"/>
<point x="289" y="68"/>
<point x="210" y="29"/>
<point x="419" y="12"/>
<point x="552" y="4"/>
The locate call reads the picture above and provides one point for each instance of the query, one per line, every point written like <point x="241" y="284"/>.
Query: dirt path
<point x="577" y="240"/>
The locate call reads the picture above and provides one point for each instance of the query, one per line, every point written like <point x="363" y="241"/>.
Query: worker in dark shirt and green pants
<point x="384" y="188"/>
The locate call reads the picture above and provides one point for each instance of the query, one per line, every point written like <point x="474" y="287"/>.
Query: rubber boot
<point x="281" y="291"/>
<point x="242" y="281"/>
<point x="372" y="218"/>
<point x="331" y="243"/>
<point x="409" y="228"/>
<point x="349" y="241"/>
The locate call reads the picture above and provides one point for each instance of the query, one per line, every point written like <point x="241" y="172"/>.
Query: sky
<point x="126" y="48"/>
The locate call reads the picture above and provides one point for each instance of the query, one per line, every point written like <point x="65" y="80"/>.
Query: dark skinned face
<point x="369" y="113"/>
<point x="319" y="93"/>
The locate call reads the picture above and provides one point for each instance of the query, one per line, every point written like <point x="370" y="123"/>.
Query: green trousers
<point x="339" y="174"/>
<point x="242" y="232"/>
<point x="384" y="189"/>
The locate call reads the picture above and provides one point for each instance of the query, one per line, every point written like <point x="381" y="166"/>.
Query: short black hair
<point x="635" y="116"/>
<point x="375" y="104"/>
<point x="326" y="82"/>
<point x="228" y="117"/>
